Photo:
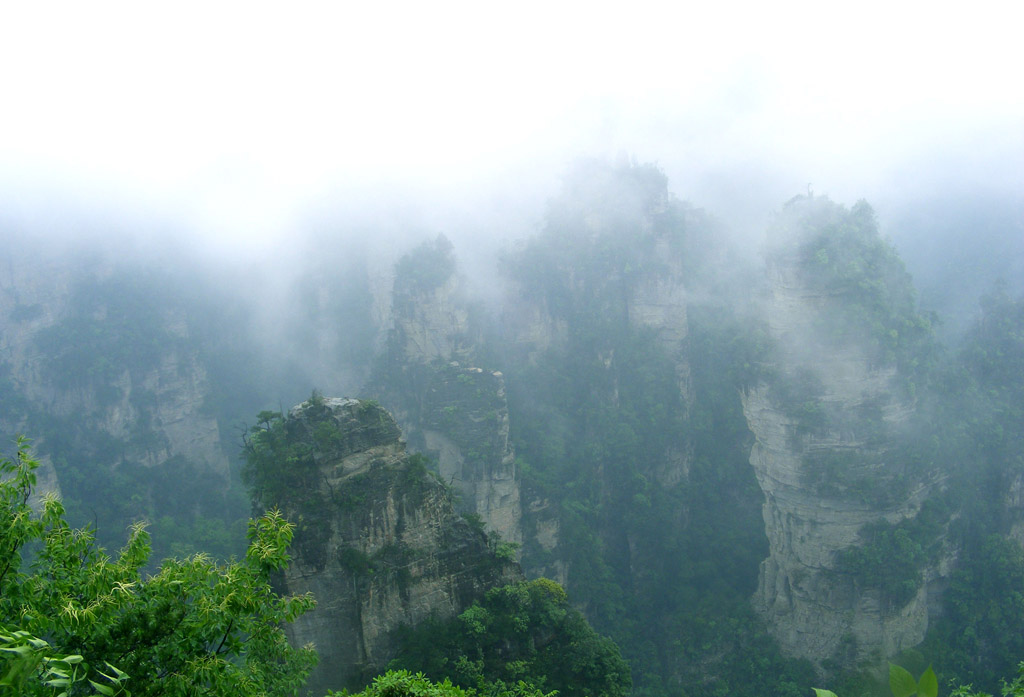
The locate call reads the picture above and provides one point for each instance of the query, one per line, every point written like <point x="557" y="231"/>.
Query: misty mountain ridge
<point x="753" y="472"/>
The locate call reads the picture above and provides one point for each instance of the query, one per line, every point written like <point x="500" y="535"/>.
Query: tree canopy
<point x="521" y="634"/>
<point x="74" y="620"/>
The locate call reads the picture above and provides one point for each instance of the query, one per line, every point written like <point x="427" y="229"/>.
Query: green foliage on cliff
<point x="658" y="511"/>
<point x="525" y="633"/>
<point x="890" y="557"/>
<point x="72" y="616"/>
<point x="425" y="268"/>
<point x="288" y="460"/>
<point x="402" y="683"/>
<point x="871" y="296"/>
<point x="283" y="457"/>
<point x="114" y="325"/>
<point x="861" y="297"/>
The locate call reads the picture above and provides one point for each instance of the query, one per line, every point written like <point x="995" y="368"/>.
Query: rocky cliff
<point x="596" y="305"/>
<point x="378" y="541"/>
<point x="80" y="346"/>
<point x="824" y="422"/>
<point x="447" y="406"/>
<point x="465" y="425"/>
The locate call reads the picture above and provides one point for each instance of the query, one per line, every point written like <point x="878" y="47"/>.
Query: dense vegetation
<point x="664" y="562"/>
<point x="640" y="465"/>
<point x="402" y="683"/>
<point x="842" y="255"/>
<point x="978" y="636"/>
<point x="521" y="634"/>
<point x="71" y="616"/>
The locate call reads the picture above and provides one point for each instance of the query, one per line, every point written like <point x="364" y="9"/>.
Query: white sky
<point x="234" y="117"/>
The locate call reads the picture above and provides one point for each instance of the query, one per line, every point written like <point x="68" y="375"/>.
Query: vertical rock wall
<point x="811" y="608"/>
<point x="394" y="553"/>
<point x="155" y="411"/>
<point x="449" y="408"/>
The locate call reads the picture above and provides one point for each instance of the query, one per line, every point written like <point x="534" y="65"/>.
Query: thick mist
<point x="715" y="310"/>
<point x="233" y="134"/>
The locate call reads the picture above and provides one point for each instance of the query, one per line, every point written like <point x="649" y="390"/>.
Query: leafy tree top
<point x="195" y="627"/>
<point x="521" y="633"/>
<point x="402" y="683"/>
<point x="425" y="268"/>
<point x="869" y="294"/>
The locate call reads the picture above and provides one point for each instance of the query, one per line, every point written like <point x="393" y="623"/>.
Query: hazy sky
<point x="237" y="118"/>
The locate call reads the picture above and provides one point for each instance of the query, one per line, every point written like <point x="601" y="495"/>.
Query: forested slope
<point x="753" y="472"/>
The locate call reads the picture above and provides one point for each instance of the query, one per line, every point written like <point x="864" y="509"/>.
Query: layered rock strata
<point x="813" y="610"/>
<point x="391" y="550"/>
<point x="449" y="408"/>
<point x="155" y="412"/>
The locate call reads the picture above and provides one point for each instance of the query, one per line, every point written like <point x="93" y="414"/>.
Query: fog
<point x="208" y="210"/>
<point x="239" y="127"/>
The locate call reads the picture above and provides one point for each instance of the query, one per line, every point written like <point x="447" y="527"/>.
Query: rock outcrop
<point x="448" y="407"/>
<point x="87" y="380"/>
<point x="658" y="302"/>
<point x="822" y="423"/>
<point x="465" y="425"/>
<point x="388" y="549"/>
<point x="602" y="293"/>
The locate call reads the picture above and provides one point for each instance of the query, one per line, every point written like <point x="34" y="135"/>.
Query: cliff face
<point x="448" y="407"/>
<point x="823" y="424"/>
<point x="658" y="302"/>
<point x="103" y="377"/>
<point x="808" y="608"/>
<point x="432" y="324"/>
<point x="594" y="307"/>
<point x="389" y="549"/>
<point x="33" y="293"/>
<point x="465" y="423"/>
<point x="71" y="350"/>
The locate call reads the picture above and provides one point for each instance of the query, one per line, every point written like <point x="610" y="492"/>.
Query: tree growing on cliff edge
<point x="77" y="617"/>
<point x="402" y="683"/>
<point x="522" y="634"/>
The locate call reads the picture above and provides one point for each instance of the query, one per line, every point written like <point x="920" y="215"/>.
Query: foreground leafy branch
<point x="78" y="621"/>
<point x="902" y="684"/>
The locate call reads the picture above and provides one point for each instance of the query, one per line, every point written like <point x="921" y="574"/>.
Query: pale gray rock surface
<point x="395" y="551"/>
<point x="809" y="608"/>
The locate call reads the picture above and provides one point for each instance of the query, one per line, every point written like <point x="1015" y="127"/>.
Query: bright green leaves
<point x="269" y="538"/>
<point x="29" y="666"/>
<point x="928" y="685"/>
<point x="402" y="683"/>
<point x="195" y="627"/>
<point x="902" y="683"/>
<point x="17" y="524"/>
<point x="20" y="656"/>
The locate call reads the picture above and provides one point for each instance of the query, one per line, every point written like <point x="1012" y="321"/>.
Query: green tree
<point x="1015" y="688"/>
<point x="402" y="683"/>
<point x="194" y="628"/>
<point x="523" y="632"/>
